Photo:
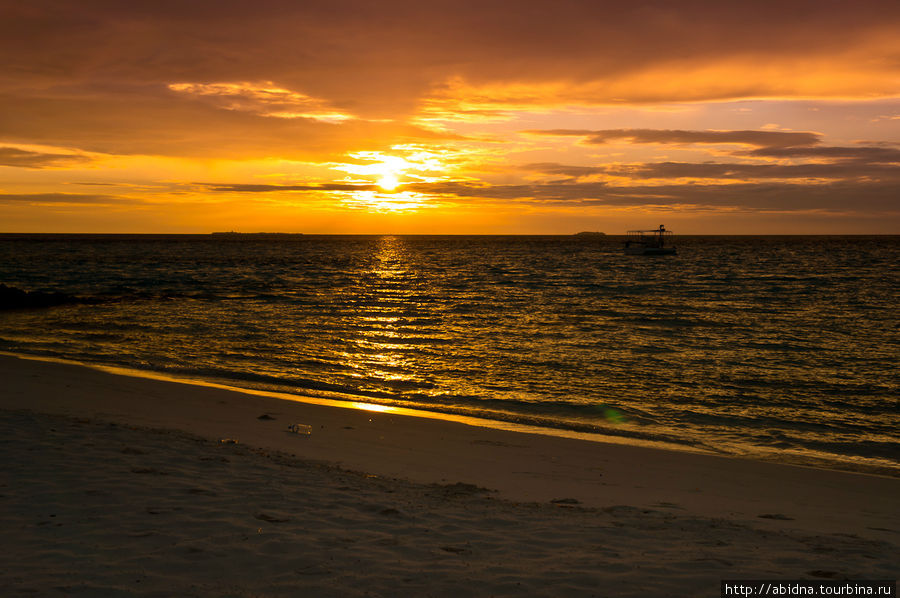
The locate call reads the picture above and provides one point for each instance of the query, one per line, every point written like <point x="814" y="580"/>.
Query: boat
<point x="657" y="241"/>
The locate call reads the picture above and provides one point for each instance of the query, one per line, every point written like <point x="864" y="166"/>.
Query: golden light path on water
<point x="384" y="409"/>
<point x="387" y="291"/>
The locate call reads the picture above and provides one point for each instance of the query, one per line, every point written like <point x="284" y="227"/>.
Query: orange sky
<point x="352" y="116"/>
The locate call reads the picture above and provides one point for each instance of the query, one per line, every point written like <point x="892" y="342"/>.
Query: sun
<point x="389" y="171"/>
<point x="388" y="181"/>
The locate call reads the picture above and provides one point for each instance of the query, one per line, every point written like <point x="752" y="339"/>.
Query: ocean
<point x="771" y="347"/>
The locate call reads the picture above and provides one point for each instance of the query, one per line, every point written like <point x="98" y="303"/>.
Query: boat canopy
<point x="656" y="236"/>
<point x="655" y="241"/>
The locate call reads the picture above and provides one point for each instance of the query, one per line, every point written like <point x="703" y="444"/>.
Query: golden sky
<point x="356" y="116"/>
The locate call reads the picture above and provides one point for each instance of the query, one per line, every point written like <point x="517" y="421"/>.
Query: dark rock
<point x="13" y="298"/>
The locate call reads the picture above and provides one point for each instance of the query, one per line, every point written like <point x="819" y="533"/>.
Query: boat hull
<point x="650" y="250"/>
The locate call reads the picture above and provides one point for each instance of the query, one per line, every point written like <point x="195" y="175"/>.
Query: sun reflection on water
<point x="381" y="348"/>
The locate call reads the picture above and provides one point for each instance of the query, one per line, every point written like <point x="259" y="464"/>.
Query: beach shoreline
<point x="758" y="517"/>
<point x="630" y="438"/>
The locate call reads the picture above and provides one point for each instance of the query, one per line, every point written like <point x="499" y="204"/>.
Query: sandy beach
<point x="118" y="485"/>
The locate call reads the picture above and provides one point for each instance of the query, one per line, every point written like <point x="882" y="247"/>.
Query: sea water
<point x="783" y="348"/>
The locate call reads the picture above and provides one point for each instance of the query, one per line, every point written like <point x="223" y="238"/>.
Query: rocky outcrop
<point x="13" y="298"/>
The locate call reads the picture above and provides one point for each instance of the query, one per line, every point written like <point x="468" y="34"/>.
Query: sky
<point x="412" y="117"/>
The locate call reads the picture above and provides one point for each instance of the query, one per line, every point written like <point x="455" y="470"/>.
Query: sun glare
<point x="390" y="170"/>
<point x="385" y="175"/>
<point x="389" y="181"/>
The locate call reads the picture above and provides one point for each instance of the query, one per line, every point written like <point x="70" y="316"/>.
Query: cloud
<point x="150" y="121"/>
<point x="575" y="172"/>
<point x="759" y="171"/>
<point x="860" y="153"/>
<point x="763" y="139"/>
<point x="11" y="156"/>
<point x="265" y="99"/>
<point x="262" y="188"/>
<point x="62" y="198"/>
<point x="378" y="60"/>
<point x="838" y="196"/>
<point x="880" y="162"/>
<point x="718" y="170"/>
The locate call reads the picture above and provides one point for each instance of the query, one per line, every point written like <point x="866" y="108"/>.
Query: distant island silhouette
<point x="234" y="235"/>
<point x="589" y="233"/>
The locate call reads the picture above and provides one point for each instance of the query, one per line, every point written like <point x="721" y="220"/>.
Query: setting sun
<point x="379" y="168"/>
<point x="390" y="170"/>
<point x="388" y="182"/>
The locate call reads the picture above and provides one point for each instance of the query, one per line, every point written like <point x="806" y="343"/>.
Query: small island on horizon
<point x="236" y="235"/>
<point x="588" y="233"/>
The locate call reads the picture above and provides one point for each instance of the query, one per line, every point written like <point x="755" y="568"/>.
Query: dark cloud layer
<point x="257" y="188"/>
<point x="762" y="139"/>
<point x="61" y="198"/>
<point x="11" y="156"/>
<point x="838" y="196"/>
<point x="859" y="153"/>
<point x="717" y="170"/>
<point x="806" y="176"/>
<point x="407" y="43"/>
